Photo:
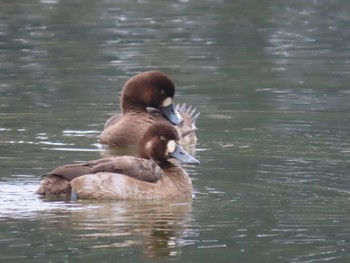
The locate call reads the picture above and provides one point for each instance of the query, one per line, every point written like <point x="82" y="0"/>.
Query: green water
<point x="271" y="79"/>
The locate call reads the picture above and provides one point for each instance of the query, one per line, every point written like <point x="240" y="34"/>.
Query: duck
<point x="152" y="175"/>
<point x="147" y="98"/>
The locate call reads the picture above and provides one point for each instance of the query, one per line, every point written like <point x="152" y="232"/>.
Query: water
<point x="271" y="81"/>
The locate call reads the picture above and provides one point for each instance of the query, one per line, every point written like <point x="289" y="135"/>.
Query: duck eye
<point x="163" y="91"/>
<point x="162" y="137"/>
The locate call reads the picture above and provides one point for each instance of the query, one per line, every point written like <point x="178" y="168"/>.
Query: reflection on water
<point x="158" y="227"/>
<point x="18" y="200"/>
<point x="271" y="81"/>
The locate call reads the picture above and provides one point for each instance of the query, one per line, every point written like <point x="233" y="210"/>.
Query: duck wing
<point x="137" y="168"/>
<point x="57" y="182"/>
<point x="71" y="171"/>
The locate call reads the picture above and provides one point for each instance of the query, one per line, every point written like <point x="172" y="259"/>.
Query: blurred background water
<point x="271" y="79"/>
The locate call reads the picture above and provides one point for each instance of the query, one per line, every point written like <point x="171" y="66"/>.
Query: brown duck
<point x="150" y="176"/>
<point x="147" y="98"/>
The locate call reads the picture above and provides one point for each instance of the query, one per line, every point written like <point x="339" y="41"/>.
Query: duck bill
<point x="180" y="154"/>
<point x="171" y="114"/>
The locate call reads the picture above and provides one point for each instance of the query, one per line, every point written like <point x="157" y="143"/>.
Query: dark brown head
<point x="150" y="89"/>
<point x="161" y="142"/>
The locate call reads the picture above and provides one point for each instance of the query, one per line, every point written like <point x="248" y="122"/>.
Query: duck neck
<point x="133" y="106"/>
<point x="172" y="169"/>
<point x="177" y="176"/>
<point x="167" y="165"/>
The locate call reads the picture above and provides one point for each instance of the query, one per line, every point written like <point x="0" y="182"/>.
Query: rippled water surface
<point x="271" y="79"/>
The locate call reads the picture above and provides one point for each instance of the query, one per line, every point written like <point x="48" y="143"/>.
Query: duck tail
<point x="192" y="113"/>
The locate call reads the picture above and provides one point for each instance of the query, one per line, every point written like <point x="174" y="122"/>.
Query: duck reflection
<point x="156" y="226"/>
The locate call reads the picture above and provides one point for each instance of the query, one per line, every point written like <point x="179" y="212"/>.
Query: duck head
<point x="150" y="89"/>
<point x="161" y="142"/>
